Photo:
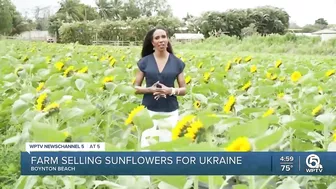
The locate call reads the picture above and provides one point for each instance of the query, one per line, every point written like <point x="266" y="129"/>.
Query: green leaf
<point x="48" y="180"/>
<point x="208" y="120"/>
<point x="201" y="98"/>
<point x="289" y="183"/>
<point x="125" y="89"/>
<point x="218" y="180"/>
<point x="328" y="119"/>
<point x="19" y="107"/>
<point x="79" y="131"/>
<point x="250" y="129"/>
<point x="299" y="145"/>
<point x="240" y="186"/>
<point x="266" y="142"/>
<point x="143" y="120"/>
<point x="332" y="186"/>
<point x="249" y="111"/>
<point x="11" y="140"/>
<point x="174" y="145"/>
<point x="332" y="147"/>
<point x="111" y="148"/>
<point x="301" y="128"/>
<point x="43" y="132"/>
<point x="205" y="147"/>
<point x="80" y="84"/>
<point x="176" y="181"/>
<point x="71" y="113"/>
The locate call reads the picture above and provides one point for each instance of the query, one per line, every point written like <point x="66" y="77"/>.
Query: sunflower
<point x="179" y="129"/>
<point x="206" y="77"/>
<point x="112" y="62"/>
<point x="241" y="144"/>
<point x="296" y="76"/>
<point x="228" y="66"/>
<point x="248" y="59"/>
<point x="269" y="112"/>
<point x="281" y="95"/>
<point x="228" y="106"/>
<point x="278" y="63"/>
<point x="59" y="66"/>
<point x="188" y="79"/>
<point x="51" y="107"/>
<point x="200" y="65"/>
<point x="330" y="73"/>
<point x="83" y="70"/>
<point x="40" y="87"/>
<point x="102" y="59"/>
<point x="193" y="129"/>
<point x="40" y="102"/>
<point x="197" y="104"/>
<point x="106" y="80"/>
<point x="133" y="113"/>
<point x="247" y="86"/>
<point x="316" y="111"/>
<point x="68" y="71"/>
<point x="238" y="60"/>
<point x="253" y="68"/>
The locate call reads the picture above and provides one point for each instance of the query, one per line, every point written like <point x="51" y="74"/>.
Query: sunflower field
<point x="234" y="102"/>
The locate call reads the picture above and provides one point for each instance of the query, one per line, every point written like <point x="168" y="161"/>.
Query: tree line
<point x="129" y="20"/>
<point x="11" y="21"/>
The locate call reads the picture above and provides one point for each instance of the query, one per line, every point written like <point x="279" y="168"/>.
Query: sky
<point x="301" y="12"/>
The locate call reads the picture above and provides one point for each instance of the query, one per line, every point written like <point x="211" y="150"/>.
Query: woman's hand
<point x="164" y="90"/>
<point x="154" y="88"/>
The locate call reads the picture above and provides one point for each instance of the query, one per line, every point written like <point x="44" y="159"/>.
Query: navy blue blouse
<point x="169" y="74"/>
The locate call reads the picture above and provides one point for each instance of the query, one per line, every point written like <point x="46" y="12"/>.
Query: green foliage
<point x="115" y="30"/>
<point x="81" y="32"/>
<point x="270" y="20"/>
<point x="12" y="22"/>
<point x="6" y="23"/>
<point x="274" y="43"/>
<point x="89" y="113"/>
<point x="321" y="21"/>
<point x="265" y="20"/>
<point x="131" y="20"/>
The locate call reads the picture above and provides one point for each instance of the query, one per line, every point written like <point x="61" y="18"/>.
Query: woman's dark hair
<point x="147" y="47"/>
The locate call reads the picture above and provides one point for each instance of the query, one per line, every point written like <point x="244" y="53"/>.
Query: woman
<point x="161" y="68"/>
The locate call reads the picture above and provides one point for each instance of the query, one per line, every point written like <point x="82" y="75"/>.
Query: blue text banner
<point x="178" y="163"/>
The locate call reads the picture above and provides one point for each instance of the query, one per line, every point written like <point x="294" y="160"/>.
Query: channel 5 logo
<point x="314" y="163"/>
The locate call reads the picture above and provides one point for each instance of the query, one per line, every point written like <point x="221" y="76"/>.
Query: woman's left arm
<point x="182" y="90"/>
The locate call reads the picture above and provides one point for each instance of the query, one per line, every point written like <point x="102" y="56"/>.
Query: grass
<point x="289" y="107"/>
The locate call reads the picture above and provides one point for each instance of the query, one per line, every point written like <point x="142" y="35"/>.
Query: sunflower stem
<point x="325" y="137"/>
<point x="252" y="182"/>
<point x="196" y="182"/>
<point x="266" y="182"/>
<point x="139" y="139"/>
<point x="211" y="183"/>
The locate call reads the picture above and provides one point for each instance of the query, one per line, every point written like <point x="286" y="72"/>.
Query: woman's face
<point x="160" y="40"/>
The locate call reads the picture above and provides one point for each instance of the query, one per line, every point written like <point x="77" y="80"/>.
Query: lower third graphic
<point x="314" y="164"/>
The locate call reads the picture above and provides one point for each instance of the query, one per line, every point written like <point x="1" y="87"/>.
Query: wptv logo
<point x="314" y="163"/>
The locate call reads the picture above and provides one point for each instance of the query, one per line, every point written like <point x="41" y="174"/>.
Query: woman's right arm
<point x="138" y="82"/>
